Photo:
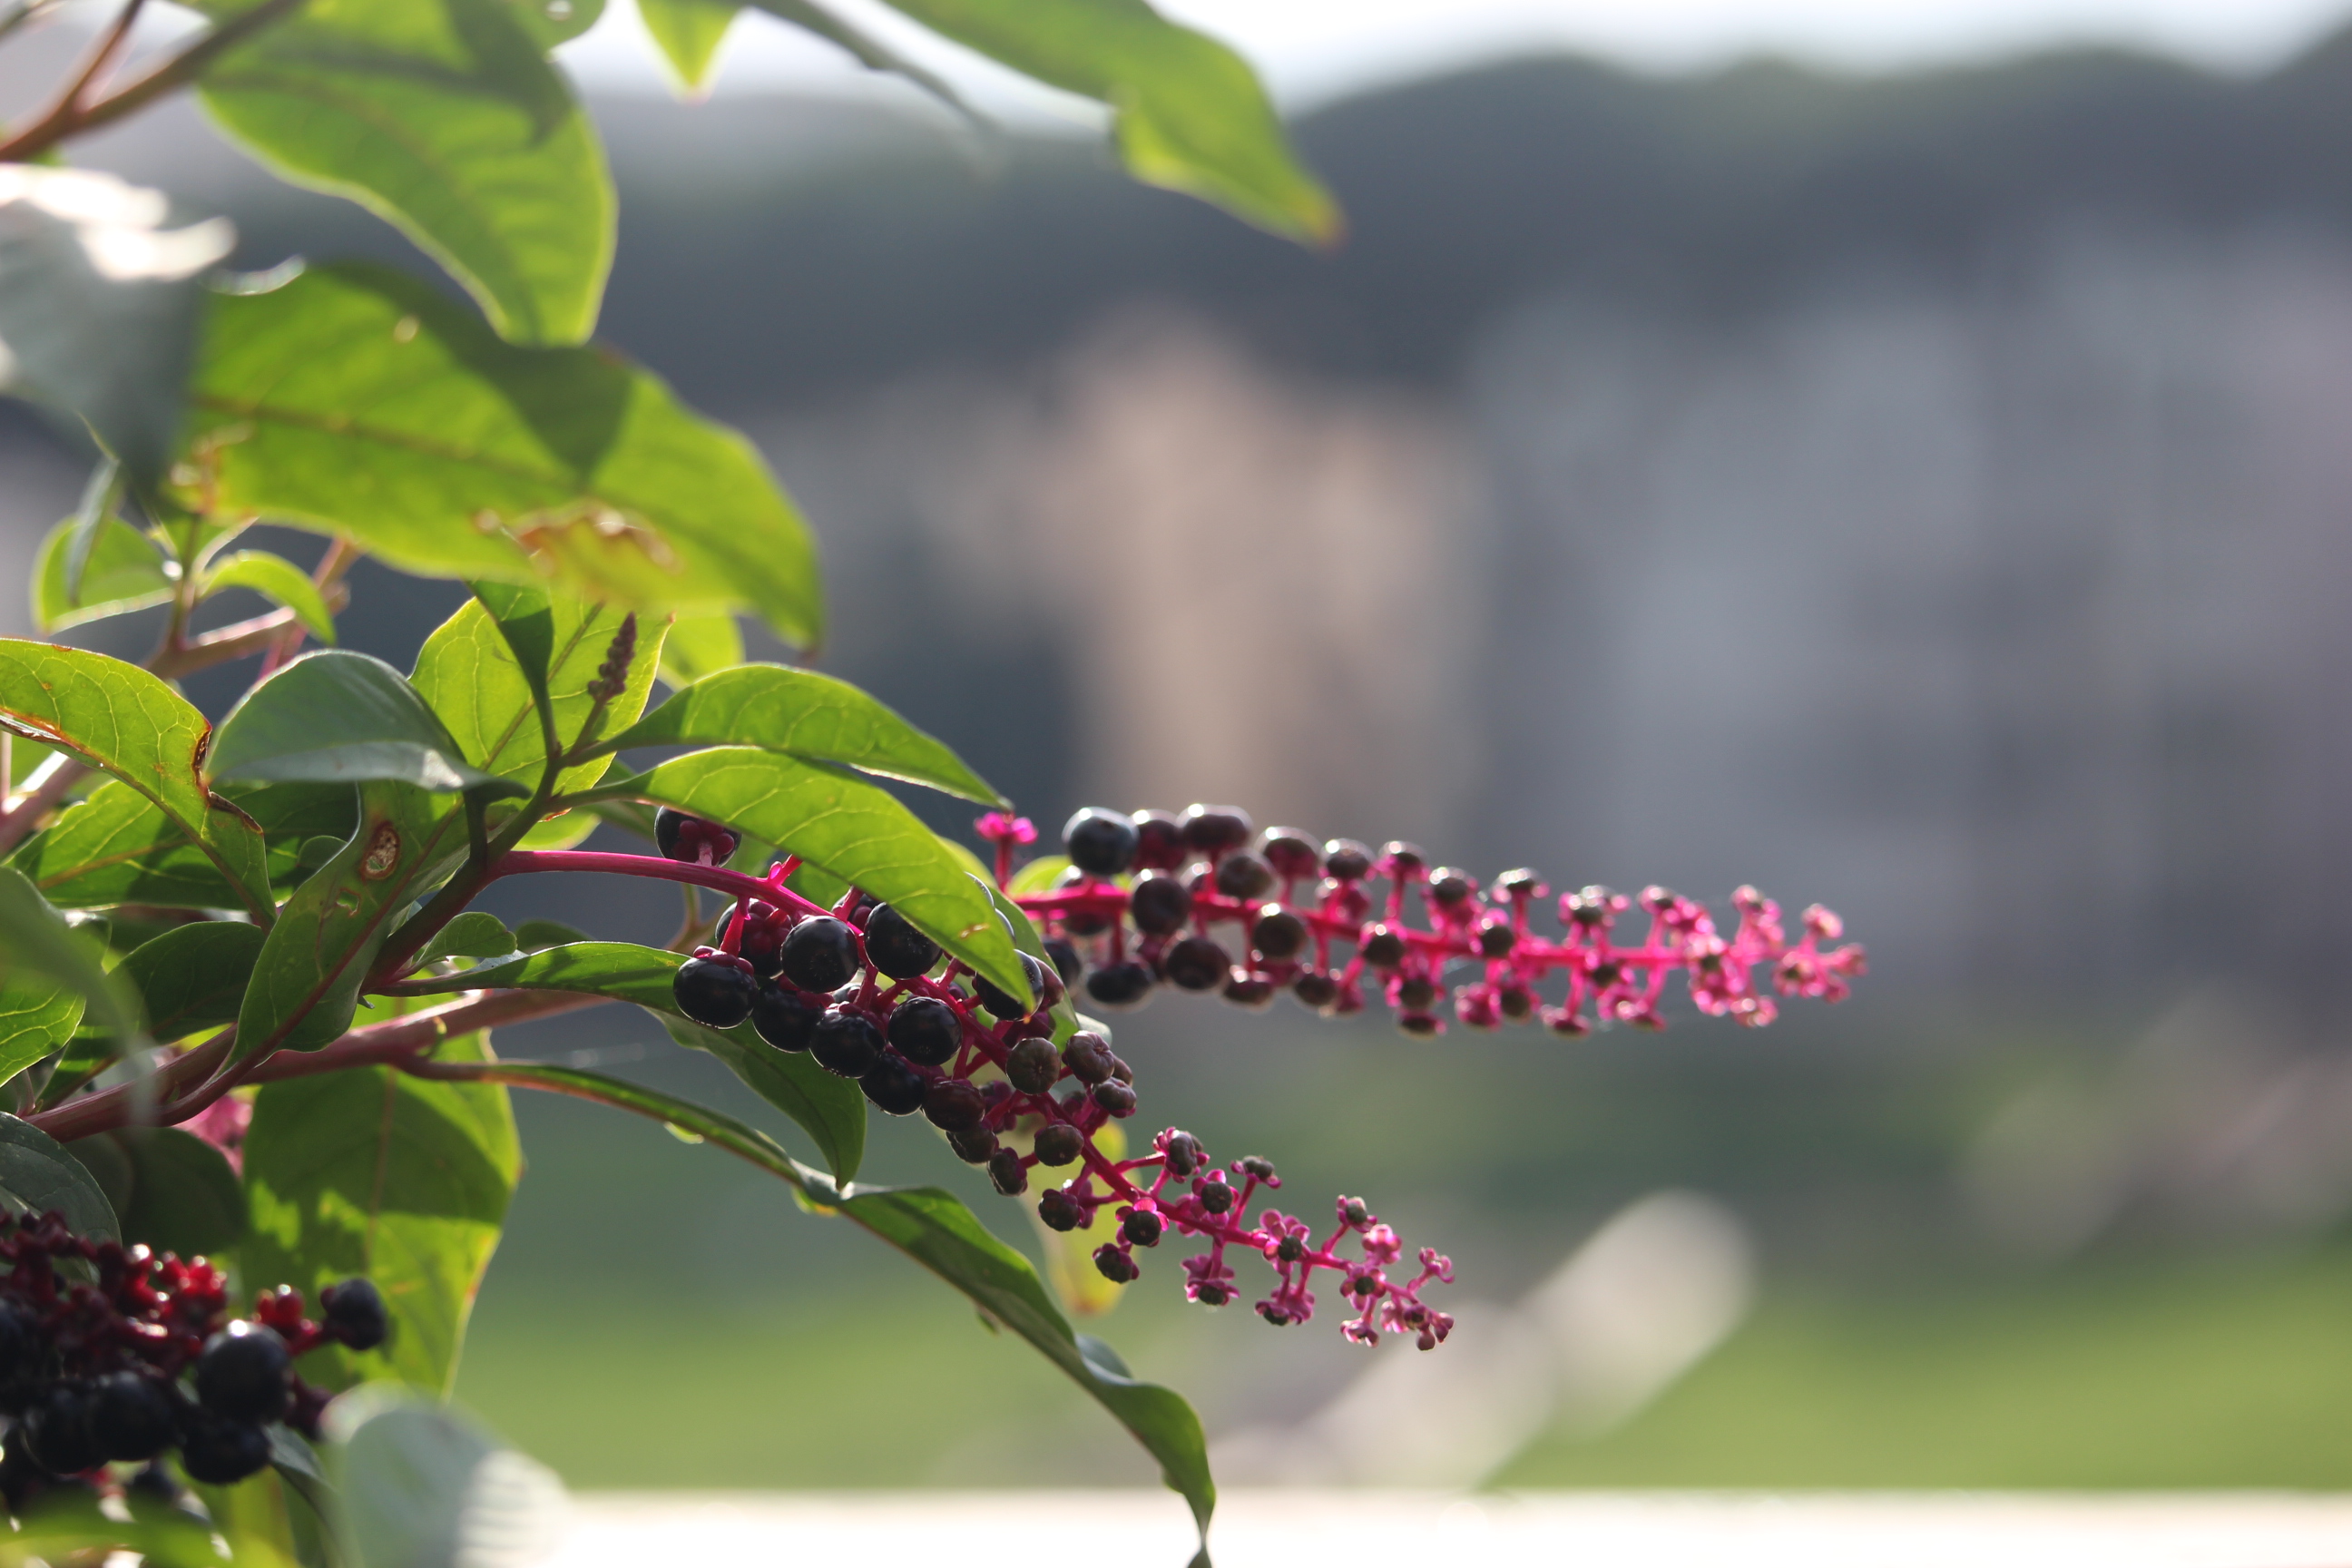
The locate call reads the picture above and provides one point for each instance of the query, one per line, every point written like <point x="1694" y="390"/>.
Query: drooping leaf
<point x="477" y="933"/>
<point x="827" y="22"/>
<point x="118" y="847"/>
<point x="302" y="1473"/>
<point x="620" y="970"/>
<point x="843" y="826"/>
<point x="442" y="117"/>
<point x="688" y="32"/>
<point x="124" y="573"/>
<point x="779" y="708"/>
<point x="422" y="1487"/>
<point x="38" y="1012"/>
<point x="99" y="304"/>
<point x="36" y="942"/>
<point x="1189" y="113"/>
<point x="120" y="719"/>
<point x="38" y="1174"/>
<point x="354" y="400"/>
<point x="184" y="1198"/>
<point x="276" y="579"/>
<point x="699" y="643"/>
<point x="404" y="1181"/>
<point x="337" y="717"/>
<point x="192" y="977"/>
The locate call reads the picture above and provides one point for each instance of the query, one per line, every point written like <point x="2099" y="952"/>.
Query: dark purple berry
<point x="242" y="1374"/>
<point x="1291" y="853"/>
<point x="717" y="991"/>
<point x="1496" y="938"/>
<point x="1182" y="1156"/>
<point x="1196" y="963"/>
<point x="1009" y="1175"/>
<point x="820" y="954"/>
<point x="216" y="1451"/>
<point x="1521" y="882"/>
<point x="785" y="1019"/>
<point x="1345" y="860"/>
<point x="1256" y="1165"/>
<point x="1449" y="889"/>
<point x="1277" y="934"/>
<point x="1126" y="984"/>
<point x="894" y="1088"/>
<point x="1315" y="988"/>
<point x="56" y="1432"/>
<point x="1403" y="860"/>
<point x="1114" y="1265"/>
<point x="1291" y="1249"/>
<point x="684" y="837"/>
<point x="1158" y="841"/>
<point x="1058" y="1143"/>
<point x="1068" y="964"/>
<point x="354" y="1314"/>
<point x="1115" y="1098"/>
<point x="1516" y="1002"/>
<point x="974" y="1147"/>
<point x="1044" y="985"/>
<point x="22" y="1351"/>
<point x="1243" y="989"/>
<point x="1100" y="843"/>
<point x="1382" y="946"/>
<point x="1209" y="1293"/>
<point x="1034" y="1065"/>
<point x="1214" y="830"/>
<point x="1060" y="1211"/>
<point x="1420" y="1025"/>
<point x="845" y="1043"/>
<point x="1089" y="1058"/>
<point x="130" y="1417"/>
<point x="954" y="1105"/>
<point x="1142" y="1227"/>
<point x="895" y="947"/>
<point x="927" y="1030"/>
<point x="1217" y="1196"/>
<point x="1243" y="875"/>
<point x="1082" y="921"/>
<point x="1589" y="906"/>
<point x="1416" y="992"/>
<point x="1159" y="904"/>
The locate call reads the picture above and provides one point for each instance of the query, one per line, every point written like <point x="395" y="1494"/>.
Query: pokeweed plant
<point x="246" y="1002"/>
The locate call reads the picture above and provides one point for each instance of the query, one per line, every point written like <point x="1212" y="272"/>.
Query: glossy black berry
<point x="1034" y="1065"/>
<point x="717" y="992"/>
<point x="1243" y="989"/>
<point x="56" y="1432"/>
<point x="1520" y="882"/>
<point x="1277" y="934"/>
<point x="1196" y="963"/>
<point x="1183" y="1155"/>
<point x="894" y="1088"/>
<point x="1089" y="1058"/>
<point x="130" y="1417"/>
<point x="22" y="1351"/>
<point x="1496" y="938"/>
<point x="785" y="1019"/>
<point x="1243" y="875"/>
<point x="1316" y="989"/>
<point x="974" y="1147"/>
<point x="1009" y="1176"/>
<point x="1516" y="1002"/>
<point x="1142" y="1227"/>
<point x="1289" y="1250"/>
<point x="1214" y="830"/>
<point x="1158" y="841"/>
<point x="1045" y="986"/>
<point x="1382" y="946"/>
<point x="1589" y="906"/>
<point x="1159" y="904"/>
<point x="1084" y="921"/>
<point x="954" y="1105"/>
<point x="1416" y="992"/>
<point x="1115" y="1098"/>
<point x="1124" y="984"/>
<point x="1403" y="860"/>
<point x="845" y="1043"/>
<point x="1290" y="852"/>
<point x="242" y="1373"/>
<point x="1217" y="1196"/>
<point x="927" y="1030"/>
<point x="1066" y="960"/>
<point x="218" y="1451"/>
<point x="1100" y="843"/>
<point x="1449" y="889"/>
<point x="1114" y="1265"/>
<point x="354" y="1314"/>
<point x="1060" y="1211"/>
<point x="1345" y="860"/>
<point x="1256" y="1165"/>
<point x="1420" y="1025"/>
<point x="1059" y="1144"/>
<point x="820" y="954"/>
<point x="895" y="947"/>
<point x="684" y="837"/>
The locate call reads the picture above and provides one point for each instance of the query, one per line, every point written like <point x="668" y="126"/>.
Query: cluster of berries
<point x="1144" y="895"/>
<point x="96" y="1337"/>
<point x="869" y="997"/>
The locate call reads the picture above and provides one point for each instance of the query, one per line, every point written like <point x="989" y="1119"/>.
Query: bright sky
<point x="1310" y="50"/>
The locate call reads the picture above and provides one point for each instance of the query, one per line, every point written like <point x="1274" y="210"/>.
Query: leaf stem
<point x="67" y="118"/>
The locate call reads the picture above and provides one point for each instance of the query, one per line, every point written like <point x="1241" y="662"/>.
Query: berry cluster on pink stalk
<point x="872" y="998"/>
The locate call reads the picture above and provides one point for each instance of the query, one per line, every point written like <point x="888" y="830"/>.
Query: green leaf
<point x="101" y="493"/>
<point x="1189" y="113"/>
<point x="553" y="21"/>
<point x="38" y="1013"/>
<point x="441" y="117"/>
<point x="192" y="977"/>
<point x="808" y="715"/>
<point x="184" y="1196"/>
<point x="1038" y="876"/>
<point x="421" y="1488"/>
<point x="98" y="305"/>
<point x="118" y="847"/>
<point x="336" y="717"/>
<point x="620" y="970"/>
<point x="37" y="1174"/>
<point x="700" y="643"/>
<point x="119" y="569"/>
<point x="865" y="49"/>
<point x="376" y="1173"/>
<point x="477" y="933"/>
<point x="276" y="579"/>
<point x="305" y="985"/>
<point x="533" y="935"/>
<point x="354" y="400"/>
<point x="36" y="940"/>
<point x="469" y="672"/>
<point x="118" y="717"/>
<point x="301" y="1472"/>
<point x="688" y="32"/>
<point x="843" y="826"/>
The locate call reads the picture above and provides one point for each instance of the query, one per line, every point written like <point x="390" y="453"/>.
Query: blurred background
<point x="1898" y="456"/>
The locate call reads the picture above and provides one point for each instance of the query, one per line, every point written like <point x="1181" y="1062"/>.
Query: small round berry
<point x="1450" y="889"/>
<point x="1124" y="984"/>
<point x="22" y="1349"/>
<point x="1044" y="985"/>
<point x="1100" y="843"/>
<point x="1196" y="963"/>
<point x="895" y="947"/>
<point x="1217" y="1195"/>
<point x="975" y="1147"/>
<point x="354" y="1314"/>
<point x="56" y="1432"/>
<point x="1290" y="1248"/>
<point x="1120" y="1071"/>
<point x="954" y="1105"/>
<point x="683" y="837"/>
<point x="1277" y="934"/>
<point x="1034" y="1065"/>
<point x="1496" y="938"/>
<point x="1401" y="860"/>
<point x="1254" y="992"/>
<point x="1060" y="1211"/>
<point x="1114" y="1264"/>
<point x="216" y="1451"/>
<point x="130" y="1417"/>
<point x="1346" y="860"/>
<point x="785" y="1019"/>
<point x="1081" y="920"/>
<point x="1088" y="1057"/>
<point x="242" y="1374"/>
<point x="1256" y="1165"/>
<point x="1315" y="988"/>
<point x="1243" y="875"/>
<point x="1183" y="1155"/>
<point x="845" y="1043"/>
<point x="1520" y="882"/>
<point x="925" y="1030"/>
<point x="1115" y="1098"/>
<point x="1416" y="992"/>
<point x="1142" y="1227"/>
<point x="1353" y="1213"/>
<point x="894" y="1086"/>
<point x="1382" y="945"/>
<point x="1566" y="1023"/>
<point x="1592" y="906"/>
<point x="1158" y="841"/>
<point x="1009" y="1175"/>
<point x="1209" y="1293"/>
<point x="1067" y="962"/>
<point x="1517" y="1003"/>
<point x="820" y="954"/>
<point x="1291" y="853"/>
<point x="717" y="991"/>
<point x="1213" y="830"/>
<point x="1420" y="1025"/>
<point x="1159" y="904"/>
<point x="1059" y="1144"/>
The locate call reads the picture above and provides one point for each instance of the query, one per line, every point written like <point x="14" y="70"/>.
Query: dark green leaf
<point x="843" y="826"/>
<point x="477" y="933"/>
<point x="333" y="717"/>
<point x="688" y="32"/>
<point x="301" y="1472"/>
<point x="374" y="1173"/>
<point x="620" y="970"/>
<point x="421" y="1488"/>
<point x="865" y="48"/>
<point x="354" y="400"/>
<point x="98" y="307"/>
<point x="553" y="21"/>
<point x="36" y="942"/>
<point x="124" y="573"/>
<point x="533" y="935"/>
<point x="101" y="494"/>
<point x="120" y="719"/>
<point x="442" y="117"/>
<point x="192" y="977"/>
<point x="276" y="579"/>
<point x="296" y="820"/>
<point x="37" y="1015"/>
<point x="1190" y="113"/>
<point x="36" y="1175"/>
<point x="184" y="1196"/>
<point x="808" y="715"/>
<point x="830" y="1110"/>
<point x="118" y="847"/>
<point x="526" y="618"/>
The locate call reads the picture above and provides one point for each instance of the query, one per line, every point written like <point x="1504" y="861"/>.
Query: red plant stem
<point x="517" y="862"/>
